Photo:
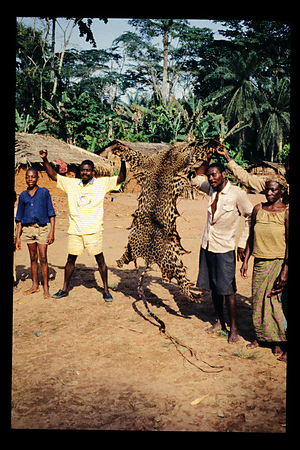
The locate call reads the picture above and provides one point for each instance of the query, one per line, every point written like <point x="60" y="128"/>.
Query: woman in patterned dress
<point x="268" y="243"/>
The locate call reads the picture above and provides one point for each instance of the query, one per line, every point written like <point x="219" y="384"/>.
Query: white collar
<point x="90" y="182"/>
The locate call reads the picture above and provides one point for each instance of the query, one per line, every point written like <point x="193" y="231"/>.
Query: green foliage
<point x="237" y="155"/>
<point x="235" y="90"/>
<point x="277" y="116"/>
<point x="284" y="153"/>
<point x="22" y="123"/>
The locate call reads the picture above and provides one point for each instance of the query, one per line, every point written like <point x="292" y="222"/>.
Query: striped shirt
<point x="86" y="202"/>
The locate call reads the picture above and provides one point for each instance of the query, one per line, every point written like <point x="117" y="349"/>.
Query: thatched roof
<point x="146" y="148"/>
<point x="27" y="147"/>
<point x="278" y="167"/>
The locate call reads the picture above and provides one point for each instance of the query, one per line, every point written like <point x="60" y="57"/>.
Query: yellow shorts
<point x="92" y="242"/>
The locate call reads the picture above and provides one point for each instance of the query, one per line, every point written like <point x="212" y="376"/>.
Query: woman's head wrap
<point x="279" y="179"/>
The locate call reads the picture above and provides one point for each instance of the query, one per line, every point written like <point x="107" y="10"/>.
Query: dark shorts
<point x="217" y="272"/>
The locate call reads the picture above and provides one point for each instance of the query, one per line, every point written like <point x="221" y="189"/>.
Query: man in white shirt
<point x="217" y="256"/>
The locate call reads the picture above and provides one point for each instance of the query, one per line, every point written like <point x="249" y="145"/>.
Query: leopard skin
<point x="153" y="236"/>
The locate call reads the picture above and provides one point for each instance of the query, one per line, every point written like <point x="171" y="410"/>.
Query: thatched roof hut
<point x="147" y="148"/>
<point x="266" y="168"/>
<point x="27" y="147"/>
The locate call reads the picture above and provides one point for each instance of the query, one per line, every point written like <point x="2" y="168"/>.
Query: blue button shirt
<point x="36" y="209"/>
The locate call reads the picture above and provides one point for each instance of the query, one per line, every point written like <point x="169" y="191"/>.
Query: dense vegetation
<point x="164" y="81"/>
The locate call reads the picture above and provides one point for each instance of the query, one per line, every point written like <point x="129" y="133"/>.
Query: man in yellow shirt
<point x="85" y="200"/>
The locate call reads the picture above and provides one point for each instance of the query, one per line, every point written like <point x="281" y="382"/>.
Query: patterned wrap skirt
<point x="267" y="312"/>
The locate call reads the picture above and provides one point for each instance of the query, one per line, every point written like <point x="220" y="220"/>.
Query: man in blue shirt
<point x="35" y="220"/>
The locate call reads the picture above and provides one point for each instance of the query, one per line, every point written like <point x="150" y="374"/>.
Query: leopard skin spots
<point x="153" y="235"/>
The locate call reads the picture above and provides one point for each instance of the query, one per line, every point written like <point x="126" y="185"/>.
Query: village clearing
<point x="80" y="363"/>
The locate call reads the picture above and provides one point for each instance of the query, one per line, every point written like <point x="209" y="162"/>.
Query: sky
<point x="104" y="34"/>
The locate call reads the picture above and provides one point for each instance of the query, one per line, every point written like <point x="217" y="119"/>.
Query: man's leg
<point x="34" y="268"/>
<point x="218" y="305"/>
<point x="42" y="248"/>
<point x="69" y="269"/>
<point x="103" y="272"/>
<point x="231" y="308"/>
<point x="102" y="269"/>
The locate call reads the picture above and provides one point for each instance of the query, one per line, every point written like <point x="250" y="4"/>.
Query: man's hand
<point x="240" y="254"/>
<point x="122" y="174"/>
<point x="223" y="152"/>
<point x="49" y="169"/>
<point x="210" y="152"/>
<point x="50" y="238"/>
<point x="43" y="153"/>
<point x="244" y="269"/>
<point x="18" y="243"/>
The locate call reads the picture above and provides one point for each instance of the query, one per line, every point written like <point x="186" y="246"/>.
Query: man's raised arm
<point x="49" y="169"/>
<point x="122" y="174"/>
<point x="246" y="179"/>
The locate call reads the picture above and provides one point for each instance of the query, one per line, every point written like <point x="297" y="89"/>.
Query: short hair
<point x="88" y="162"/>
<point x="219" y="166"/>
<point x="33" y="170"/>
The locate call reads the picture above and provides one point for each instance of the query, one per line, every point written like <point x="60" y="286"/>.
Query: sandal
<point x="107" y="297"/>
<point x="60" y="294"/>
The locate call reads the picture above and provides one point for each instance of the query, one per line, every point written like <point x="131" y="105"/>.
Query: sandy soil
<point x="81" y="363"/>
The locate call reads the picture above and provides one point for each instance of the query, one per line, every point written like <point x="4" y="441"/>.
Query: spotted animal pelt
<point x="153" y="234"/>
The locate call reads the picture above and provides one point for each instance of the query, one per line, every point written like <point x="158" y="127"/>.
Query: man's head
<point x="31" y="178"/>
<point x="87" y="171"/>
<point x="216" y="175"/>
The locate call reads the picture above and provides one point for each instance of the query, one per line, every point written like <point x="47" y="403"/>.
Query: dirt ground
<point x="82" y="363"/>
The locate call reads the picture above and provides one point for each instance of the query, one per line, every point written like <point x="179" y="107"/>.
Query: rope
<point x="176" y="342"/>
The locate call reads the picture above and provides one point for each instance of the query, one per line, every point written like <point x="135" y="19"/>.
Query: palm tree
<point x="275" y="111"/>
<point x="238" y="96"/>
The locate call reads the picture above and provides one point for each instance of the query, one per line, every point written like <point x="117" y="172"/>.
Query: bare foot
<point x="283" y="357"/>
<point x="47" y="294"/>
<point x="213" y="327"/>
<point x="32" y="290"/>
<point x="277" y="350"/>
<point x="233" y="336"/>
<point x="253" y="344"/>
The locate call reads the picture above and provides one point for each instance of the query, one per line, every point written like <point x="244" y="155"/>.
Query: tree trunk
<point x="110" y="129"/>
<point x="41" y="91"/>
<point x="154" y="82"/>
<point x="165" y="69"/>
<point x="52" y="50"/>
<point x="111" y="88"/>
<point x="272" y="151"/>
<point x="279" y="148"/>
<point x="66" y="42"/>
<point x="111" y="100"/>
